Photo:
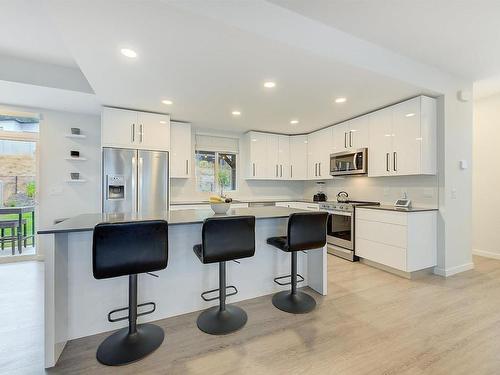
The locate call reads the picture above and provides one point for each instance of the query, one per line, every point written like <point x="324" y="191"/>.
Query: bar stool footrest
<point x="235" y="291"/>
<point x="152" y="310"/>
<point x="300" y="279"/>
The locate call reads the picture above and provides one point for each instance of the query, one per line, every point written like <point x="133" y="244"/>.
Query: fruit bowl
<point x="220" y="207"/>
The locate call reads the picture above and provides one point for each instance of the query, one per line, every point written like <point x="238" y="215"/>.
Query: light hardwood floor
<point x="370" y="323"/>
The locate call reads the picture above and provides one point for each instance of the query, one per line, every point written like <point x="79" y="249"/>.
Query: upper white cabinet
<point x="181" y="156"/>
<point x="256" y="147"/>
<point x="403" y="139"/>
<point x="298" y="157"/>
<point x="133" y="129"/>
<point x="270" y="156"/>
<point x="352" y="134"/>
<point x="319" y="148"/>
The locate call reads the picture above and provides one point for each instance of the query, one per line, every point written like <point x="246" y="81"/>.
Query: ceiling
<point x="208" y="69"/>
<point x="27" y="33"/>
<point x="457" y="36"/>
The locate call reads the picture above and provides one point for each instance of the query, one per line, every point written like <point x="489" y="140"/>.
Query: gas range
<point x="345" y="206"/>
<point x="340" y="227"/>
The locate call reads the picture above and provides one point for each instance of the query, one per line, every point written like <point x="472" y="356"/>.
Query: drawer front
<point x="389" y="234"/>
<point x="391" y="217"/>
<point x="391" y="256"/>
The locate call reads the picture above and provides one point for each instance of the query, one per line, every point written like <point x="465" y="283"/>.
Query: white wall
<point x="486" y="177"/>
<point x="182" y="189"/>
<point x="422" y="190"/>
<point x="56" y="198"/>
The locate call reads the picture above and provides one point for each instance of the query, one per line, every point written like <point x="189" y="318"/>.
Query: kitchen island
<point x="76" y="304"/>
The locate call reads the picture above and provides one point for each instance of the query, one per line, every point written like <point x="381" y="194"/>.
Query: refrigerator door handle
<point x="139" y="184"/>
<point x="134" y="182"/>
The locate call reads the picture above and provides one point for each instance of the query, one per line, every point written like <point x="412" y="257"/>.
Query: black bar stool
<point x="130" y="248"/>
<point x="224" y="239"/>
<point x="306" y="231"/>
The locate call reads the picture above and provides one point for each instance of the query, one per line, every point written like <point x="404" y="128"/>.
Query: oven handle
<point x="341" y="213"/>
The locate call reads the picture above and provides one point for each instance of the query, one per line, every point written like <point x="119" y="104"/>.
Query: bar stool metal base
<point x="221" y="322"/>
<point x="298" y="303"/>
<point x="121" y="347"/>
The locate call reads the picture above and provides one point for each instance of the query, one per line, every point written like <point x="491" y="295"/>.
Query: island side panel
<point x="178" y="288"/>
<point x="317" y="262"/>
<point x="56" y="299"/>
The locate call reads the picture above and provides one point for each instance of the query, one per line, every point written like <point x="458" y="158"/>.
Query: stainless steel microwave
<point x="351" y="162"/>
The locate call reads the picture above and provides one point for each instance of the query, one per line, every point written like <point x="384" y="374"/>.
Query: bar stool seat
<point x="130" y="248"/>
<point x="306" y="231"/>
<point x="224" y="239"/>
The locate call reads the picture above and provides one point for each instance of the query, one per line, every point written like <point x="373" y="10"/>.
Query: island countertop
<point x="87" y="222"/>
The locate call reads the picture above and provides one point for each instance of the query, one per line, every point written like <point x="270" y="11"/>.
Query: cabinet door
<point x="298" y="157"/>
<point x="380" y="148"/>
<point x="358" y="136"/>
<point x="325" y="149"/>
<point x="272" y="159"/>
<point x="154" y="131"/>
<point x="258" y="163"/>
<point x="406" y="156"/>
<point x="119" y="128"/>
<point x="284" y="157"/>
<point x="180" y="150"/>
<point x="313" y="144"/>
<point x="340" y="137"/>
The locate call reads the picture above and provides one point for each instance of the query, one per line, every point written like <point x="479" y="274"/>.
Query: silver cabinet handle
<point x="319" y="169"/>
<point x="345" y="139"/>
<point x="387" y="162"/>
<point x="350" y="138"/>
<point x="187" y="166"/>
<point x="133" y="133"/>
<point x="395" y="161"/>
<point x="141" y="133"/>
<point x="291" y="171"/>
<point x="253" y="169"/>
<point x="276" y="170"/>
<point x="281" y="170"/>
<point x="315" y="169"/>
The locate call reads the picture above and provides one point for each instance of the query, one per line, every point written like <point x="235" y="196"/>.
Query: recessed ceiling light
<point x="128" y="53"/>
<point x="340" y="100"/>
<point x="236" y="113"/>
<point x="269" y="84"/>
<point x="294" y="122"/>
<point x="167" y="102"/>
<point x="410" y="115"/>
<point x="163" y="122"/>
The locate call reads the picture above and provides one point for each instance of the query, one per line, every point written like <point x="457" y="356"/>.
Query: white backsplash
<point x="422" y="190"/>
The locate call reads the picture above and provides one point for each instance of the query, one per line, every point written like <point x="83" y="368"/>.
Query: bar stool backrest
<point x="306" y="230"/>
<point x="128" y="248"/>
<point x="228" y="238"/>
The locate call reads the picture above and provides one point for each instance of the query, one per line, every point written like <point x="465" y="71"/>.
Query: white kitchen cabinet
<point x="181" y="153"/>
<point x="403" y="139"/>
<point x="299" y="205"/>
<point x="319" y="147"/>
<point x="272" y="156"/>
<point x="256" y="148"/>
<point x="298" y="157"/>
<point x="351" y="135"/>
<point x="406" y="241"/>
<point x="133" y="129"/>
<point x="284" y="157"/>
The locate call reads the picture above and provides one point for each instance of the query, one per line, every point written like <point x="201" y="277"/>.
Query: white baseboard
<point x="486" y="254"/>
<point x="453" y="270"/>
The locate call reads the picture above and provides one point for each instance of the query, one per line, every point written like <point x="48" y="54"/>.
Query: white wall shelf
<point x="81" y="136"/>
<point x="76" y="159"/>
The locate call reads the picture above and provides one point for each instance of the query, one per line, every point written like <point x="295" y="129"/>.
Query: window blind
<point x="206" y="142"/>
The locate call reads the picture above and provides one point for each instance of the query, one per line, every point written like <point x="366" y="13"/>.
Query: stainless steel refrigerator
<point x="134" y="180"/>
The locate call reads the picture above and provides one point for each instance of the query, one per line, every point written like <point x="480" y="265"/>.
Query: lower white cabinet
<point x="202" y="206"/>
<point x="299" y="205"/>
<point x="406" y="241"/>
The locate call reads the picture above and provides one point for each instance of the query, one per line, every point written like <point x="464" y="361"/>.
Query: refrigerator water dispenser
<point x="115" y="187"/>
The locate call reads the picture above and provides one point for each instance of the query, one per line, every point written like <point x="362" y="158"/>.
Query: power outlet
<point x="454" y="193"/>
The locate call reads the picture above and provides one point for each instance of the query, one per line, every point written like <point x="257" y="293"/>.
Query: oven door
<point x="340" y="229"/>
<point x="348" y="162"/>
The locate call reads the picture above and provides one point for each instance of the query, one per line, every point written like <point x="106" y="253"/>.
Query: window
<point x="209" y="165"/>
